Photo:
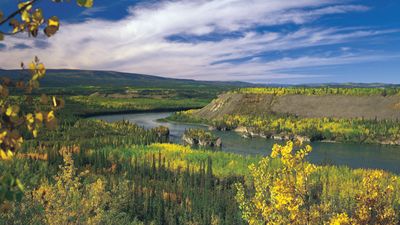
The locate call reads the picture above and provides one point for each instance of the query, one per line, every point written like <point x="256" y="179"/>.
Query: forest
<point x="134" y="180"/>
<point x="59" y="165"/>
<point x="320" y="91"/>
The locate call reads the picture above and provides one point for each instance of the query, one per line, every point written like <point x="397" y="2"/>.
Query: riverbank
<point x="280" y="127"/>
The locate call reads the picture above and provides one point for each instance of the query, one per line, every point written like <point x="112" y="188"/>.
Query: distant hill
<point x="66" y="78"/>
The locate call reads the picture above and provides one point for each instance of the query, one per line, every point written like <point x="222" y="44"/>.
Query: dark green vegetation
<point x="93" y="105"/>
<point x="91" y="134"/>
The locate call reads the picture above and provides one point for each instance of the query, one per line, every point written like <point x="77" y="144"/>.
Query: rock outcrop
<point x="202" y="138"/>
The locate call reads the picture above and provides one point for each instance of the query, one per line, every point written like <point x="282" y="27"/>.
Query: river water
<point x="352" y="155"/>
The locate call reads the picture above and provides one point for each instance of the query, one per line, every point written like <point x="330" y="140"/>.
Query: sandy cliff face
<point x="338" y="106"/>
<point x="236" y="104"/>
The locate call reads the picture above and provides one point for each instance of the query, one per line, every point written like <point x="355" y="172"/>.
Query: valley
<point x="127" y="143"/>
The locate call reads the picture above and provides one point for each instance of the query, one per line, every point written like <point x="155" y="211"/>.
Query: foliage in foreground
<point x="13" y="120"/>
<point x="21" y="118"/>
<point x="146" y="187"/>
<point x="173" y="184"/>
<point x="68" y="201"/>
<point x="294" y="194"/>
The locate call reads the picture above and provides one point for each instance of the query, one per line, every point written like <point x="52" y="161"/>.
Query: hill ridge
<point x="75" y="77"/>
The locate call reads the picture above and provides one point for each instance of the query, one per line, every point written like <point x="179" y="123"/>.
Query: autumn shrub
<point x="69" y="201"/>
<point x="283" y="195"/>
<point x="374" y="202"/>
<point x="297" y="193"/>
<point x="23" y="119"/>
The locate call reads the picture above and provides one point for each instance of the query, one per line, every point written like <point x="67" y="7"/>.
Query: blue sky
<point x="268" y="41"/>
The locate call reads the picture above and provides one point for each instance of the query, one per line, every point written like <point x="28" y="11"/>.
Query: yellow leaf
<point x="22" y="4"/>
<point x="32" y="66"/>
<point x="35" y="133"/>
<point x="38" y="16"/>
<point x="19" y="184"/>
<point x="53" y="25"/>
<point x="35" y="77"/>
<point x="2" y="136"/>
<point x="85" y="3"/>
<point x="51" y="121"/>
<point x="53" y="21"/>
<point x="30" y="118"/>
<point x="50" y="115"/>
<point x="39" y="116"/>
<point x="5" y="155"/>
<point x="10" y="154"/>
<point x="25" y="16"/>
<point x="41" y="70"/>
<point x="54" y="101"/>
<point x="12" y="111"/>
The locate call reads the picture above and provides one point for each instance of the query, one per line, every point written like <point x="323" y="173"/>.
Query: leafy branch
<point x="12" y="15"/>
<point x="32" y="19"/>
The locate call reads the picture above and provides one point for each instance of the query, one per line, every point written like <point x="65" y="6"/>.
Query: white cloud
<point x="138" y="42"/>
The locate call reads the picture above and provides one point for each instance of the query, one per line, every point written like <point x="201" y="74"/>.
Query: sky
<point x="261" y="41"/>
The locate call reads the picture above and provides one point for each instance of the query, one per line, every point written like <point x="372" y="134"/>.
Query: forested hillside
<point x="69" y="78"/>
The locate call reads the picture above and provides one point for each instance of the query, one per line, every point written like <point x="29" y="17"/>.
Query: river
<point x="352" y="155"/>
